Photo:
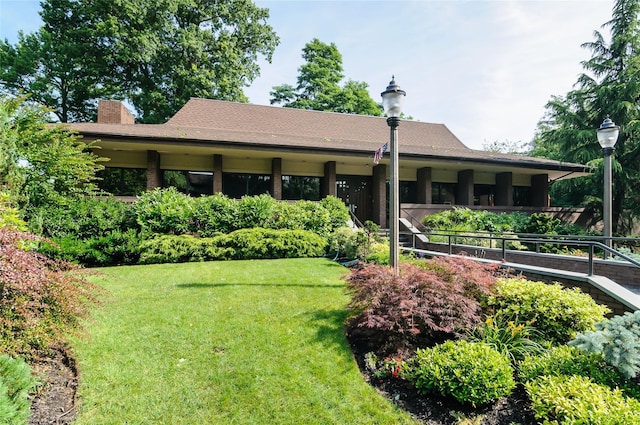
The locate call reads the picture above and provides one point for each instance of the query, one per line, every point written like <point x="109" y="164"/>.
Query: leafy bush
<point x="470" y="222"/>
<point x="338" y="212"/>
<point x="395" y="313"/>
<point x="254" y="211"/>
<point x="242" y="244"/>
<point x="165" y="211"/>
<point x="40" y="299"/>
<point x="570" y="361"/>
<point x="576" y="400"/>
<point x="507" y="336"/>
<point x="471" y="372"/>
<point x="15" y="383"/>
<point x="214" y="214"/>
<point x="618" y="340"/>
<point x="83" y="218"/>
<point x="9" y="215"/>
<point x="558" y="313"/>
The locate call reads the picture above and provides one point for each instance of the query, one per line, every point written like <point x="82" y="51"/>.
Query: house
<point x="244" y="149"/>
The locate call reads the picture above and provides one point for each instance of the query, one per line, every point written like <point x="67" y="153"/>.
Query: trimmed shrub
<point x="15" y="383"/>
<point x="243" y="244"/>
<point x="261" y="243"/>
<point x="557" y="313"/>
<point x="398" y="313"/>
<point x="165" y="211"/>
<point x="576" y="400"/>
<point x="40" y="299"/>
<point x="471" y="372"/>
<point x="618" y="340"/>
<point x="114" y="248"/>
<point x="570" y="361"/>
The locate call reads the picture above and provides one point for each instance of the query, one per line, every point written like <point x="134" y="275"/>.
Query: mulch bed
<point x="55" y="401"/>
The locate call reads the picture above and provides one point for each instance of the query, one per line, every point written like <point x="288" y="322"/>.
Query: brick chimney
<point x="114" y="112"/>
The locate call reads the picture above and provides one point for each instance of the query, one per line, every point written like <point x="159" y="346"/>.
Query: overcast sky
<point x="484" y="68"/>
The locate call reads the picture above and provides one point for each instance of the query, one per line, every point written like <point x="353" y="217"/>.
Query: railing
<point x="502" y="241"/>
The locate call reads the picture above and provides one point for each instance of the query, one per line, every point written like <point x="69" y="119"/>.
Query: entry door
<point x="355" y="192"/>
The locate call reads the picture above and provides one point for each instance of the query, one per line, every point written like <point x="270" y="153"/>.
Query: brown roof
<point x="220" y="122"/>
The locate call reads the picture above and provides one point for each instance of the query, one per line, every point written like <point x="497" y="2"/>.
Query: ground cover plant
<point x="236" y="342"/>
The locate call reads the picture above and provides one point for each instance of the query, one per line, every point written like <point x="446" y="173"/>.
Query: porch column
<point x="423" y="185"/>
<point x="217" y="173"/>
<point x="379" y="194"/>
<point x="504" y="190"/>
<point x="464" y="195"/>
<point x="154" y="173"/>
<point x="540" y="190"/>
<point x="276" y="178"/>
<point x="328" y="187"/>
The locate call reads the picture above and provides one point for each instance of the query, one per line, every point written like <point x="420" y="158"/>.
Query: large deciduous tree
<point x="41" y="164"/>
<point x="609" y="87"/>
<point x="318" y="85"/>
<point x="154" y="53"/>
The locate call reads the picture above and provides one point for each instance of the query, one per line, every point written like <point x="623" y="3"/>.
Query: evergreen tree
<point x="609" y="87"/>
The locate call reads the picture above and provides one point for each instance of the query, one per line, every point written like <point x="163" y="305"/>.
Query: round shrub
<point x="570" y="361"/>
<point x="557" y="313"/>
<point x="471" y="372"/>
<point x="214" y="214"/>
<point x="576" y="400"/>
<point x="165" y="211"/>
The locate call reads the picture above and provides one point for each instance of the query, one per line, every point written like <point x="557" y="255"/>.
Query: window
<point x="236" y="185"/>
<point x="123" y="181"/>
<point x="300" y="187"/>
<point x="408" y="192"/>
<point x="443" y="193"/>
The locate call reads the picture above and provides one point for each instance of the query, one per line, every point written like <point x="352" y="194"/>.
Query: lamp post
<point x="607" y="137"/>
<point x="392" y="99"/>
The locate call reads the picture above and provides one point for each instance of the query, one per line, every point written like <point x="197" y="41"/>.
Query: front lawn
<point x="234" y="342"/>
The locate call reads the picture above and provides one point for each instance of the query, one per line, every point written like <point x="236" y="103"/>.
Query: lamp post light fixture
<point x="392" y="99"/>
<point x="607" y="137"/>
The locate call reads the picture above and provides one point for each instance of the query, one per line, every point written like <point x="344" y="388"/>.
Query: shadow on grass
<point x="329" y="325"/>
<point x="271" y="284"/>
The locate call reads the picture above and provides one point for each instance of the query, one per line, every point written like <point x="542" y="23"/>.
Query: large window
<point x="236" y="185"/>
<point x="443" y="193"/>
<point x="483" y="194"/>
<point x="521" y="196"/>
<point x="408" y="191"/>
<point x="300" y="187"/>
<point x="123" y="181"/>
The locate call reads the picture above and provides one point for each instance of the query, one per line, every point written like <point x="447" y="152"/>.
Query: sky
<point x="484" y="68"/>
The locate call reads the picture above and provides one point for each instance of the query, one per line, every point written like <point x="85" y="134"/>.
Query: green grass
<point x="237" y="342"/>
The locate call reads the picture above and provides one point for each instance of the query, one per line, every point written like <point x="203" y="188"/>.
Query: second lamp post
<point x="392" y="99"/>
<point x="607" y="137"/>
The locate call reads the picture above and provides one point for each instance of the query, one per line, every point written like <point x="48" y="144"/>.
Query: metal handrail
<point x="538" y="240"/>
<point x="414" y="221"/>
